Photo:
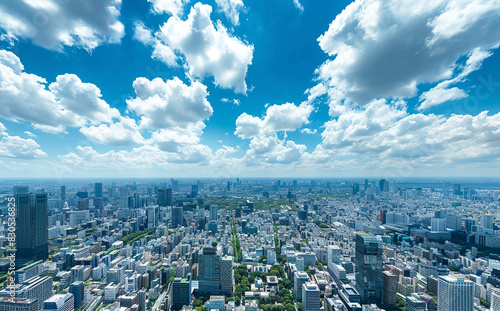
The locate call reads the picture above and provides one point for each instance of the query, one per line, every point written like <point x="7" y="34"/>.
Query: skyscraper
<point x="78" y="290"/>
<point x="32" y="228"/>
<point x="310" y="297"/>
<point x="98" y="190"/>
<point x="20" y="190"/>
<point x="194" y="191"/>
<point x="300" y="278"/>
<point x="226" y="276"/>
<point x="214" y="212"/>
<point x="181" y="294"/>
<point x="369" y="267"/>
<point x="209" y="271"/>
<point x="165" y="197"/>
<point x="177" y="216"/>
<point x="63" y="193"/>
<point x="123" y="203"/>
<point x="455" y="294"/>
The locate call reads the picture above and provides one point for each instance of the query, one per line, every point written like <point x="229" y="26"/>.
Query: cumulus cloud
<point x="172" y="7"/>
<point x="122" y="133"/>
<point x="17" y="147"/>
<point x="287" y="117"/>
<point x="55" y="24"/>
<point x="169" y="104"/>
<point x="208" y="49"/>
<point x="66" y="102"/>
<point x="384" y="132"/>
<point x="231" y="9"/>
<point x="142" y="34"/>
<point x="387" y="48"/>
<point x="272" y="150"/>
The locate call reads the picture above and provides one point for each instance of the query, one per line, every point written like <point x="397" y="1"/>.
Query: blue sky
<point x="229" y="88"/>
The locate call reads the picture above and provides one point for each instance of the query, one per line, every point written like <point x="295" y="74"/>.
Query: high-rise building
<point x="59" y="302"/>
<point x="455" y="294"/>
<point x="438" y="224"/>
<point x="32" y="228"/>
<point x="21" y="190"/>
<point x="446" y="190"/>
<point x="180" y="294"/>
<point x="355" y="188"/>
<point x="457" y="190"/>
<point x="487" y="221"/>
<point x="369" y="281"/>
<point x="98" y="189"/>
<point x="194" y="191"/>
<point x="123" y="200"/>
<point x="77" y="289"/>
<point x="165" y="197"/>
<point x="63" y="193"/>
<point x="177" y="216"/>
<point x="214" y="209"/>
<point x="383" y="185"/>
<point x="300" y="278"/>
<point x="310" y="297"/>
<point x="390" y="281"/>
<point x="226" y="276"/>
<point x="141" y="299"/>
<point x="209" y="271"/>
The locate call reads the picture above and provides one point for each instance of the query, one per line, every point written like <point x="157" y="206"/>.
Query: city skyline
<point x="236" y="88"/>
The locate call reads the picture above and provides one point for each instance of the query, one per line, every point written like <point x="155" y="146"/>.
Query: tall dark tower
<point x="165" y="197"/>
<point x="32" y="228"/>
<point x="98" y="190"/>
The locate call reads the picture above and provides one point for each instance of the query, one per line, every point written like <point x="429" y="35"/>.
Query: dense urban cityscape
<point x="251" y="244"/>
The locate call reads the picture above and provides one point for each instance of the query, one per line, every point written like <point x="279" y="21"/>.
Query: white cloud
<point x="387" y="48"/>
<point x="383" y="133"/>
<point x="172" y="140"/>
<point x="17" y="147"/>
<point x="438" y="95"/>
<point x="272" y="150"/>
<point x="298" y="5"/>
<point x="3" y="130"/>
<point x="169" y="104"/>
<point x="172" y="7"/>
<point x="287" y="117"/>
<point x="54" y="24"/>
<point x="231" y="9"/>
<point x="142" y="34"/>
<point x="122" y="133"/>
<point x="308" y="131"/>
<point x="30" y="134"/>
<point x="207" y="49"/>
<point x="66" y="102"/>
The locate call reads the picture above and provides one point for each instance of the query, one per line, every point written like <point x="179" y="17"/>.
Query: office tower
<point x="141" y="300"/>
<point x="446" y="190"/>
<point x="454" y="222"/>
<point x="310" y="297"/>
<point x="152" y="216"/>
<point x="181" y="294"/>
<point x="37" y="289"/>
<point x="487" y="221"/>
<point x="63" y="193"/>
<point x="228" y="186"/>
<point x="390" y="281"/>
<point x="226" y="276"/>
<point x="495" y="300"/>
<point x="177" y="216"/>
<point x="366" y="184"/>
<point x="20" y="190"/>
<point x="438" y="224"/>
<point x="194" y="191"/>
<point x="60" y="302"/>
<point x="32" y="228"/>
<point x="165" y="197"/>
<point x="383" y="185"/>
<point x="214" y="209"/>
<point x="455" y="294"/>
<point x="123" y="199"/>
<point x="369" y="267"/>
<point x="209" y="271"/>
<point x="98" y="189"/>
<point x="77" y="289"/>
<point x="456" y="189"/>
<point x="83" y="204"/>
<point x="355" y="188"/>
<point x="299" y="278"/>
